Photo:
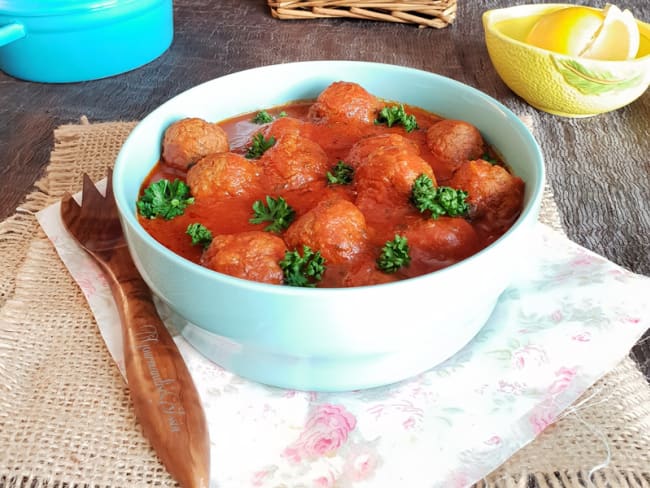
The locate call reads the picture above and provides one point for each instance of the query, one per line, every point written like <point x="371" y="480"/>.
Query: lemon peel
<point x="610" y="34"/>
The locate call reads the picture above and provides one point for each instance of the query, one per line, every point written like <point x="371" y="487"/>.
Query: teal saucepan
<point x="59" y="41"/>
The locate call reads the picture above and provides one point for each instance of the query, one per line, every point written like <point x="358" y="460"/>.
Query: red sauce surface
<point x="231" y="215"/>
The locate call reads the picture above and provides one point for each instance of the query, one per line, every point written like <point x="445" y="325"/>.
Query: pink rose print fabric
<point x="325" y="431"/>
<point x="565" y="321"/>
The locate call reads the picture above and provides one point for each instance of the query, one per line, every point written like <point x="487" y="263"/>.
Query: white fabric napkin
<point x="567" y="319"/>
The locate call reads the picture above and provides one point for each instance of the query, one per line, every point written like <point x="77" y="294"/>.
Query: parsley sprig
<point x="341" y="174"/>
<point x="277" y="211"/>
<point x="263" y="117"/>
<point x="164" y="199"/>
<point x="395" y="114"/>
<point x="306" y="270"/>
<point x="200" y="234"/>
<point x="394" y="255"/>
<point x="488" y="158"/>
<point x="259" y="146"/>
<point x="441" y="200"/>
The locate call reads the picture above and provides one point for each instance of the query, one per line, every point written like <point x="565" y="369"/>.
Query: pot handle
<point x="11" y="32"/>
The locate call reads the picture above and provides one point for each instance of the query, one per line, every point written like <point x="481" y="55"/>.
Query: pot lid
<point x="56" y="7"/>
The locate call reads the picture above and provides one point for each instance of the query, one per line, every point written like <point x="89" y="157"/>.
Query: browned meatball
<point x="436" y="243"/>
<point x="366" y="146"/>
<point x="365" y="273"/>
<point x="344" y="101"/>
<point x="335" y="227"/>
<point x="285" y="125"/>
<point x="293" y="162"/>
<point x="494" y="195"/>
<point x="386" y="177"/>
<point x="455" y="142"/>
<point x="253" y="255"/>
<point x="188" y="140"/>
<point x="223" y="175"/>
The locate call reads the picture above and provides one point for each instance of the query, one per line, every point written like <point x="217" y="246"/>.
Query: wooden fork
<point x="164" y="397"/>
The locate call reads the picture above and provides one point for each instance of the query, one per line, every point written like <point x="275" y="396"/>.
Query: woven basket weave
<point x="424" y="13"/>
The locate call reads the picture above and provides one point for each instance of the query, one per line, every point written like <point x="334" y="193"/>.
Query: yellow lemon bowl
<point x="561" y="84"/>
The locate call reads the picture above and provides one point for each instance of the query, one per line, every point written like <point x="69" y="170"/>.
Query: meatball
<point x="494" y="195"/>
<point x="365" y="273"/>
<point x="335" y="227"/>
<point x="285" y="125"/>
<point x="455" y="142"/>
<point x="188" y="140"/>
<point x="223" y="175"/>
<point x="366" y="146"/>
<point x="293" y="162"/>
<point x="253" y="255"/>
<point x="436" y="243"/>
<point x="344" y="101"/>
<point x="386" y="177"/>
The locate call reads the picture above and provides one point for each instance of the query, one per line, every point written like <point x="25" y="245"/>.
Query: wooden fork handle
<point x="164" y="396"/>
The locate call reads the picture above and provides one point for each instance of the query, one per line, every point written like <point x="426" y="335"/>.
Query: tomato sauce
<point x="231" y="215"/>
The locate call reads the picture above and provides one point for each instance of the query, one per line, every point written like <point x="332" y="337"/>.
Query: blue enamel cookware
<point x="59" y="41"/>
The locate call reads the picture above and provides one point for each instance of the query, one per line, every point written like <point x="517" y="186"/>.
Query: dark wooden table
<point x="598" y="167"/>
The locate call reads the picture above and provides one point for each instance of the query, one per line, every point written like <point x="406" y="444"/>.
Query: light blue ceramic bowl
<point x="329" y="339"/>
<point x="59" y="41"/>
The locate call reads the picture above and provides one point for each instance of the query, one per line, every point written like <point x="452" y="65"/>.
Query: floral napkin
<point x="567" y="319"/>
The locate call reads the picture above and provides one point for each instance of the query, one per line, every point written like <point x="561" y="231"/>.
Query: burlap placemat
<point x="65" y="414"/>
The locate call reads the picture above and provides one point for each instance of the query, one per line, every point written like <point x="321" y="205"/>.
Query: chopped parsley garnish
<point x="394" y="255"/>
<point x="262" y="117"/>
<point x="440" y="200"/>
<point x="276" y="211"/>
<point x="395" y="114"/>
<point x="259" y="146"/>
<point x="488" y="158"/>
<point x="341" y="174"/>
<point x="306" y="270"/>
<point x="200" y="234"/>
<point x="164" y="199"/>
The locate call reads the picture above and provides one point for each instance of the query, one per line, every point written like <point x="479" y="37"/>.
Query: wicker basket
<point x="424" y="13"/>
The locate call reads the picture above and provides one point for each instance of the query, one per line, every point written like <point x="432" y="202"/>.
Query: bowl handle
<point x="11" y="32"/>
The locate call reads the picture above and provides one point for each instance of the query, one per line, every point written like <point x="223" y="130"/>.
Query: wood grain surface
<point x="598" y="167"/>
<point x="165" y="399"/>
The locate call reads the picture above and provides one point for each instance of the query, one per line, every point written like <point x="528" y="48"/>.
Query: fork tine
<point x="109" y="181"/>
<point x="95" y="221"/>
<point x="89" y="192"/>
<point x="69" y="208"/>
<point x="110" y="196"/>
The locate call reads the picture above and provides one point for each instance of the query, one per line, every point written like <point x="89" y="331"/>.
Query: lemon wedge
<point x="610" y="34"/>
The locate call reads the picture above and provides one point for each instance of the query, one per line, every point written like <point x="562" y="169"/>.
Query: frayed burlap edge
<point x="602" y="440"/>
<point x="66" y="418"/>
<point x="19" y="230"/>
<point x="64" y="173"/>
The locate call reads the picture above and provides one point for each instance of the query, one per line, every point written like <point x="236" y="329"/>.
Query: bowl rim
<point x="538" y="8"/>
<point x="128" y="213"/>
